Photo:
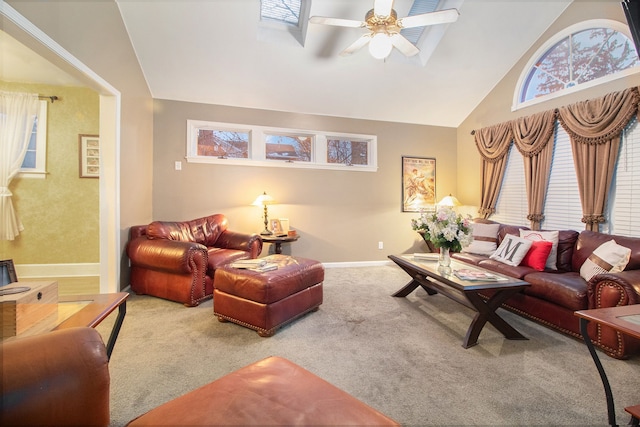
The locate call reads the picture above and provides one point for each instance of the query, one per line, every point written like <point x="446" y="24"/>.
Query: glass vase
<point x="444" y="261"/>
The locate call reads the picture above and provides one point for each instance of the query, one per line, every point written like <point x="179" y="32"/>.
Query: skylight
<point x="418" y="7"/>
<point x="284" y="11"/>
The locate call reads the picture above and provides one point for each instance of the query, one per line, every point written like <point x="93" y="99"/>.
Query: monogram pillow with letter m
<point x="512" y="250"/>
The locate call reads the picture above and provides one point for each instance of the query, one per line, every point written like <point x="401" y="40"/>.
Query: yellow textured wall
<point x="60" y="213"/>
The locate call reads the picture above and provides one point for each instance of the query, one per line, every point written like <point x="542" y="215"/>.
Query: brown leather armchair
<point x="58" y="378"/>
<point x="177" y="260"/>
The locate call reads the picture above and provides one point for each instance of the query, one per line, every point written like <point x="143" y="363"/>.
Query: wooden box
<point x="21" y="311"/>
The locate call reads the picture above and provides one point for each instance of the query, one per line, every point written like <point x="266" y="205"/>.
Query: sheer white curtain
<point x="17" y="112"/>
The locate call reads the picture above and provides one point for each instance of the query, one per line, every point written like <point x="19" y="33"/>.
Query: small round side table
<point x="279" y="240"/>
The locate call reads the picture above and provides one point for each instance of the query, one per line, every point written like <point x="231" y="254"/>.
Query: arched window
<point x="581" y="56"/>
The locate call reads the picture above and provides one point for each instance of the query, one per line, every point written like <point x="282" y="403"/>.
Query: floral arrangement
<point x="444" y="228"/>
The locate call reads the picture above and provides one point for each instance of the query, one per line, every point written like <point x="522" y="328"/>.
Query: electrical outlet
<point x="178" y="166"/>
<point x="380" y="245"/>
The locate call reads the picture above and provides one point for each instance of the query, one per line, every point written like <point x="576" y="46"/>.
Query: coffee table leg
<point x="487" y="313"/>
<point x="413" y="285"/>
<point x="122" y="311"/>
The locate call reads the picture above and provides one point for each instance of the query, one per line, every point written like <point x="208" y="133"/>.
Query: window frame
<point x="40" y="170"/>
<point x="257" y="147"/>
<point x="550" y="43"/>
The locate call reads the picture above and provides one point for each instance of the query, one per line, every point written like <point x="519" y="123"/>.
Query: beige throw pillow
<point x="609" y="257"/>
<point x="548" y="236"/>
<point x="485" y="239"/>
<point x="512" y="250"/>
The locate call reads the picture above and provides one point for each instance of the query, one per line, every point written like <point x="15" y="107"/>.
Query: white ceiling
<point x="209" y="52"/>
<point x="20" y="64"/>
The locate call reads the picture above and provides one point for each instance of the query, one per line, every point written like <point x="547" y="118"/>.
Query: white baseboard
<point x="34" y="271"/>
<point x="355" y="264"/>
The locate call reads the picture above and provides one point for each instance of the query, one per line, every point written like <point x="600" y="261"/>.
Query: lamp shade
<point x="380" y="45"/>
<point x="449" y="201"/>
<point x="263" y="199"/>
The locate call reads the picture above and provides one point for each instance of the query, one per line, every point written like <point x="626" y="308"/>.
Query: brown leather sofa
<point x="554" y="295"/>
<point x="177" y="260"/>
<point x="59" y="378"/>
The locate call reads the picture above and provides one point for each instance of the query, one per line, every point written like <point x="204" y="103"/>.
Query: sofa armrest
<point x="57" y="378"/>
<point x="251" y="243"/>
<point x="614" y="289"/>
<point x="167" y="255"/>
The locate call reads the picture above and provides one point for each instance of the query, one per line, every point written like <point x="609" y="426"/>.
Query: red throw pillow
<point x="537" y="255"/>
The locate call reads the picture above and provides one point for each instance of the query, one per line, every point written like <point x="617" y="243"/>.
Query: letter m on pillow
<point x="512" y="250"/>
<point x="509" y="250"/>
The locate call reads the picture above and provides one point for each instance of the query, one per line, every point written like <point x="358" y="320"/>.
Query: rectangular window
<point x="289" y="147"/>
<point x="348" y="152"/>
<point x="35" y="160"/>
<point x="223" y="143"/>
<point x="239" y="144"/>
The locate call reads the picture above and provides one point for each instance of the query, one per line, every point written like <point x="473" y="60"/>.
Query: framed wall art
<point x="418" y="184"/>
<point x="89" y="156"/>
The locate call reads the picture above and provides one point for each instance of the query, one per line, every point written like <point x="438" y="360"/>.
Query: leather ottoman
<point x="266" y="301"/>
<point x="273" y="391"/>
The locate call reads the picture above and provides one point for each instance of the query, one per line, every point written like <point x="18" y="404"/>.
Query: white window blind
<point x="563" y="209"/>
<point x="625" y="205"/>
<point x="511" y="207"/>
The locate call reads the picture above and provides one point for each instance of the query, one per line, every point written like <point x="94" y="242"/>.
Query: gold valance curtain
<point x="493" y="144"/>
<point x="594" y="127"/>
<point x="532" y="136"/>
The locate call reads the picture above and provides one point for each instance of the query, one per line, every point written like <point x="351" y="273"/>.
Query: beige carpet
<point x="403" y="356"/>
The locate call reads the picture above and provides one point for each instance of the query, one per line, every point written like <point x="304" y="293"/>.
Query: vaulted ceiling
<point x="217" y="52"/>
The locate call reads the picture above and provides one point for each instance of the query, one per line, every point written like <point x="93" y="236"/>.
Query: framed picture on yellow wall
<point x="418" y="184"/>
<point x="89" y="149"/>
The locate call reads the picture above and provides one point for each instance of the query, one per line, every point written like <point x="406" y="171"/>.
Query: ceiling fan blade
<point x="433" y="18"/>
<point x="403" y="45"/>
<point x="337" y="22"/>
<point x="382" y="7"/>
<point x="361" y="42"/>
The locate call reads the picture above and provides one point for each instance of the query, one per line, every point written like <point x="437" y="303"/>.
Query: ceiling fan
<point x="384" y="28"/>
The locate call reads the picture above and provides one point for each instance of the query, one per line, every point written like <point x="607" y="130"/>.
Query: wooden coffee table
<point x="82" y="310"/>
<point x="424" y="273"/>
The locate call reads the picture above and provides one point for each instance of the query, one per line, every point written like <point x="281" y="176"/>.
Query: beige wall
<point x="93" y="32"/>
<point x="341" y="216"/>
<point x="59" y="212"/>
<point x="496" y="107"/>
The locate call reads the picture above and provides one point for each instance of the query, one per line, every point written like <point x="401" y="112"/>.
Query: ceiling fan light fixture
<point x="380" y="45"/>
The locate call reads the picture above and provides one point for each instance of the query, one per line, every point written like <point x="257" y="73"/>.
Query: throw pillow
<point x="549" y="236"/>
<point x="609" y="257"/>
<point x="538" y="254"/>
<point x="485" y="239"/>
<point x="512" y="250"/>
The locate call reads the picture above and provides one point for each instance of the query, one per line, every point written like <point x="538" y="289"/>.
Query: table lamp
<point x="450" y="201"/>
<point x="263" y="200"/>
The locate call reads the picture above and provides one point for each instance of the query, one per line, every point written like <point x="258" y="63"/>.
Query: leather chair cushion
<point x="202" y="230"/>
